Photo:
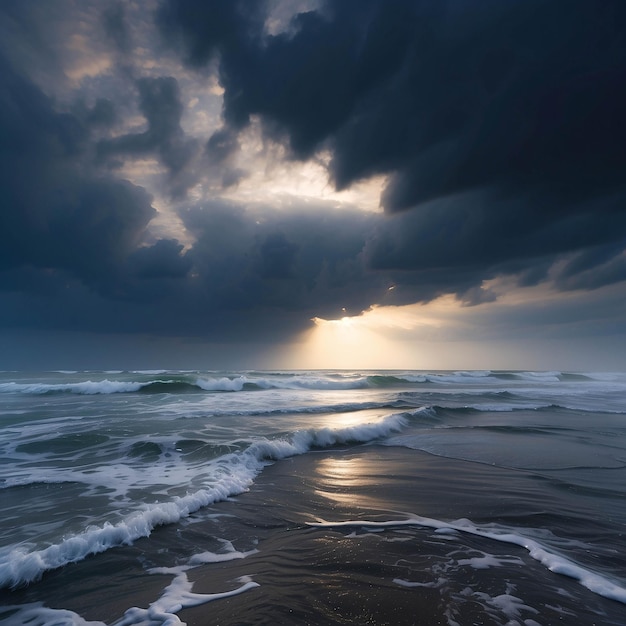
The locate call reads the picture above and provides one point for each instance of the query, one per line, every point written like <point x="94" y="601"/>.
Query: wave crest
<point x="232" y="474"/>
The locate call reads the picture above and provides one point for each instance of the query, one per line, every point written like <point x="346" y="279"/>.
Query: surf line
<point x="558" y="564"/>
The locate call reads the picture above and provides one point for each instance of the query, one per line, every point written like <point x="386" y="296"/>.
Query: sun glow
<point x="273" y="177"/>
<point x="447" y="334"/>
<point x="376" y="338"/>
<point x="347" y="342"/>
<point x="416" y="336"/>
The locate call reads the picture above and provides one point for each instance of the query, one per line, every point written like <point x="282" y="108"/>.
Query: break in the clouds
<point x="202" y="168"/>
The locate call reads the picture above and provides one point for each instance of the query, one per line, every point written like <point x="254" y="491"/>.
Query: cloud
<point x="203" y="30"/>
<point x="161" y="260"/>
<point x="116" y="26"/>
<point x="493" y="233"/>
<point x="159" y="101"/>
<point x="303" y="260"/>
<point x="58" y="211"/>
<point x="499" y="126"/>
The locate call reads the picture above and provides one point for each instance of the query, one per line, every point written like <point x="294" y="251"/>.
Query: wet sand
<point x="312" y="575"/>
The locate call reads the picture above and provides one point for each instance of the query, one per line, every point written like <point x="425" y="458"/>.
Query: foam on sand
<point x="176" y="596"/>
<point x="554" y="562"/>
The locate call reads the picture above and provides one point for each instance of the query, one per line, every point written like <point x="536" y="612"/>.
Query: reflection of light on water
<point x="340" y="470"/>
<point x="350" y="481"/>
<point x="342" y="477"/>
<point x="338" y="421"/>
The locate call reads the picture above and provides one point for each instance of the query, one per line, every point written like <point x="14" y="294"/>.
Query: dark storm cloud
<point x="302" y="261"/>
<point x="71" y="253"/>
<point x="58" y="211"/>
<point x="159" y="101"/>
<point x="116" y="27"/>
<point x="161" y="260"/>
<point x="595" y="267"/>
<point x="277" y="255"/>
<point x="204" y="30"/>
<point x="250" y="273"/>
<point x="101" y="115"/>
<point x="220" y="151"/>
<point x="500" y="125"/>
<point x="492" y="229"/>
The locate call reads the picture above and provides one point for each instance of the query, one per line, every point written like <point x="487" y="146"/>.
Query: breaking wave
<point x="233" y="474"/>
<point x="161" y="381"/>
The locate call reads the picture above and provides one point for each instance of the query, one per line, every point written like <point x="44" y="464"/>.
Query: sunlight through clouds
<point x="445" y="330"/>
<point x="223" y="173"/>
<point x="271" y="176"/>
<point x="397" y="336"/>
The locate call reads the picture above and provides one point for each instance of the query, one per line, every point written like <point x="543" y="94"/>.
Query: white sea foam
<point x="163" y="612"/>
<point x="551" y="377"/>
<point x="21" y="566"/>
<point x="300" y="381"/>
<point x="141" y="449"/>
<point x="469" y="377"/>
<point x="554" y="562"/>
<point x="327" y="437"/>
<point x="36" y="614"/>
<point x="177" y="596"/>
<point x="506" y="603"/>
<point x="221" y="384"/>
<point x="87" y="387"/>
<point x="506" y="407"/>
<point x="295" y="381"/>
<point x="232" y="474"/>
<point x="206" y="383"/>
<point x="230" y="554"/>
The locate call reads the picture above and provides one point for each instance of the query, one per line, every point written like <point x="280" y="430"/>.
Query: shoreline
<point x="333" y="575"/>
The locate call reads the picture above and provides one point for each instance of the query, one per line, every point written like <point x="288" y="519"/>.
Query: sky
<point x="415" y="184"/>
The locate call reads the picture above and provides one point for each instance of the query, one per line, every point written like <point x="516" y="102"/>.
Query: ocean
<point x="312" y="497"/>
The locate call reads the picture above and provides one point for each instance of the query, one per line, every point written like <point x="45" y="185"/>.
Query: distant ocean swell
<point x="234" y="474"/>
<point x="191" y="382"/>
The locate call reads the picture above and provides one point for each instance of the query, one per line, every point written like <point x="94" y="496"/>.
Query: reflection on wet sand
<point x="345" y="479"/>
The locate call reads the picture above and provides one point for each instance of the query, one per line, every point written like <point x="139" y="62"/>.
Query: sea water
<point x="532" y="474"/>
